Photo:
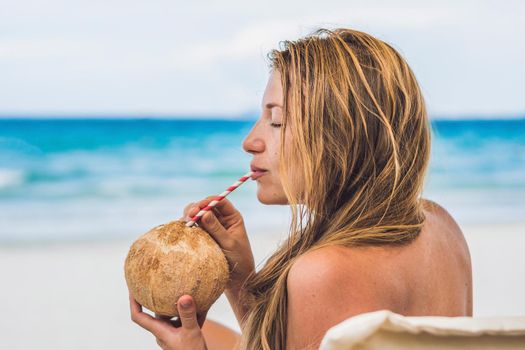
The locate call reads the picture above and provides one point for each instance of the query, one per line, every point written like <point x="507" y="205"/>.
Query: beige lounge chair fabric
<point x="387" y="330"/>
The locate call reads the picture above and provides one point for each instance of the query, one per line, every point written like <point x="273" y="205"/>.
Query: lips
<point x="257" y="172"/>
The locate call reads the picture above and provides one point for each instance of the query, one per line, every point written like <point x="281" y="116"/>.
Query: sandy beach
<point x="73" y="296"/>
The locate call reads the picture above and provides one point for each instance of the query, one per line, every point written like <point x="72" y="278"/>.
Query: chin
<point x="271" y="198"/>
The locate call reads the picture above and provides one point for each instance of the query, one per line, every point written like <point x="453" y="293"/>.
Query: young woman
<point x="344" y="139"/>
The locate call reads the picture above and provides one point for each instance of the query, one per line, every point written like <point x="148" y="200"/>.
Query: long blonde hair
<point x="361" y="139"/>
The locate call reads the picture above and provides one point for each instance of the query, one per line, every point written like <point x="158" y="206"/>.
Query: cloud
<point x="176" y="57"/>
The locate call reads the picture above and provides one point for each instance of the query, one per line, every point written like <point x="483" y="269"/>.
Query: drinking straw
<point x="218" y="198"/>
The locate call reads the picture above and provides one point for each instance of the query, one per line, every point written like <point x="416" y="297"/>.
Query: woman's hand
<point x="185" y="333"/>
<point x="226" y="225"/>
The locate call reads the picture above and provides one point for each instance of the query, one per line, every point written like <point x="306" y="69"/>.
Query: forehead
<point x="273" y="92"/>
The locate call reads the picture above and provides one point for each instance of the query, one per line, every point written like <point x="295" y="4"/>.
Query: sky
<point x="208" y="58"/>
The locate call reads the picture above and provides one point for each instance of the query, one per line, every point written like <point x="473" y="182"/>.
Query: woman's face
<point x="263" y="142"/>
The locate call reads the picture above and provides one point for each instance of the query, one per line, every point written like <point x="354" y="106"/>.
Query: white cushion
<point x="387" y="330"/>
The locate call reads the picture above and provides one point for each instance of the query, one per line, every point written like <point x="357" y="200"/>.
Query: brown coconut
<point x="171" y="260"/>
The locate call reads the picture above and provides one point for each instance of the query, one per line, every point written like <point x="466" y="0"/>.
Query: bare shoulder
<point x="440" y="220"/>
<point x="437" y="211"/>
<point x="327" y="263"/>
<point x="449" y="244"/>
<point x="352" y="276"/>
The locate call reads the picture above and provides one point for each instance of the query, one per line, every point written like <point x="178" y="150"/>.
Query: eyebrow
<point x="270" y="105"/>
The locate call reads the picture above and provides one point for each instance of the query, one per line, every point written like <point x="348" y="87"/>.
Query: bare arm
<point x="240" y="301"/>
<point x="220" y="337"/>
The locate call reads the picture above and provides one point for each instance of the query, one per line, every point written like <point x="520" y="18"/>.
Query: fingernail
<point x="186" y="304"/>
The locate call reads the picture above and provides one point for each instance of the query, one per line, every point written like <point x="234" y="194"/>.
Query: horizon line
<point x="224" y="117"/>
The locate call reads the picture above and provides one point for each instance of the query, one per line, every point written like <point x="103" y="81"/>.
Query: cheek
<point x="295" y="181"/>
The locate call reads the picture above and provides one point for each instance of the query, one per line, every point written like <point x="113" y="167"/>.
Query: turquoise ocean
<point x="103" y="179"/>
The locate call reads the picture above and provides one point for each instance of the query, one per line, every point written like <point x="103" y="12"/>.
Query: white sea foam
<point x="11" y="177"/>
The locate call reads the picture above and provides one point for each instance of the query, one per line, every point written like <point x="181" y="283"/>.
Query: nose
<point x="253" y="143"/>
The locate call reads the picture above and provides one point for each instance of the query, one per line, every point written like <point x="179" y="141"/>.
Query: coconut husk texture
<point x="171" y="260"/>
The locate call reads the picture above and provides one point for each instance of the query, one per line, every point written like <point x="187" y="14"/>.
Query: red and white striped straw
<point x="218" y="198"/>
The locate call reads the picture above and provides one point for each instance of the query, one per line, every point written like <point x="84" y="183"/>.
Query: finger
<point x="224" y="206"/>
<point x="157" y="327"/>
<point x="187" y="312"/>
<point x="187" y="209"/>
<point x="212" y="225"/>
<point x="194" y="210"/>
<point x="224" y="211"/>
